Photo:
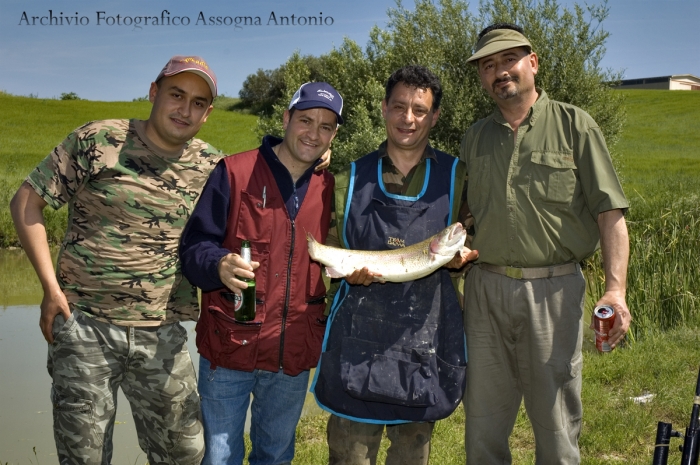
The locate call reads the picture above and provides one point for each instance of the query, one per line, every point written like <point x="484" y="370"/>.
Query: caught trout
<point x="397" y="265"/>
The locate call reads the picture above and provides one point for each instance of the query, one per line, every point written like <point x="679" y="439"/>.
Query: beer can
<point x="603" y="318"/>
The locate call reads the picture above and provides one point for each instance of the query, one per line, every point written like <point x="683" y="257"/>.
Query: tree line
<point x="440" y="35"/>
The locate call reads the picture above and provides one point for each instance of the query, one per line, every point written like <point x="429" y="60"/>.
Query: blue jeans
<point x="277" y="403"/>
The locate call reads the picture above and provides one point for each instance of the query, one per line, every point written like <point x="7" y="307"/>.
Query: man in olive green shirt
<point x="543" y="193"/>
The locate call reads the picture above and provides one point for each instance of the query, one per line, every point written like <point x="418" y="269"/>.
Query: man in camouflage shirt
<point x="111" y="311"/>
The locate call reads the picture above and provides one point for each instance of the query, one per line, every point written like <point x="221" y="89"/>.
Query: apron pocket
<point x="402" y="376"/>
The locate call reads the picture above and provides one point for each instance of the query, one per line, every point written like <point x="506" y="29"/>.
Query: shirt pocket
<point x="255" y="223"/>
<point x="553" y="177"/>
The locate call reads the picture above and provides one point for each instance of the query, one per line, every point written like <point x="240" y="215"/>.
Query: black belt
<point x="531" y="273"/>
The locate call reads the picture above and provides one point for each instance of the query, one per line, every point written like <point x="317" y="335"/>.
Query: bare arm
<point x="27" y="213"/>
<point x="614" y="245"/>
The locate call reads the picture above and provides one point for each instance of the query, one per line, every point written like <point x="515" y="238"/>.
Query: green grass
<point x="664" y="271"/>
<point x="659" y="159"/>
<point x="615" y="428"/>
<point x="31" y="128"/>
<point x="660" y="144"/>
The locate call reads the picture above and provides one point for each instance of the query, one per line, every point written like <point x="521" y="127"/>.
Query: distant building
<point x="675" y="82"/>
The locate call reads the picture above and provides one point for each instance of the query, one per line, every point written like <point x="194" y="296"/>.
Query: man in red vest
<point x="272" y="197"/>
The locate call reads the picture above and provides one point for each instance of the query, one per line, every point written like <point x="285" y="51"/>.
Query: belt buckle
<point x="515" y="273"/>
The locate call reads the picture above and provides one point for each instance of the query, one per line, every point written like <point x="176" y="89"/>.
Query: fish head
<point x="449" y="241"/>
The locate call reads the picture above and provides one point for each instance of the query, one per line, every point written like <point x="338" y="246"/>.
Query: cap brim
<point x="318" y="104"/>
<point x="498" y="46"/>
<point x="198" y="72"/>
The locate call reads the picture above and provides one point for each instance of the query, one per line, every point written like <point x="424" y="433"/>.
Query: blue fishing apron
<point x="394" y="352"/>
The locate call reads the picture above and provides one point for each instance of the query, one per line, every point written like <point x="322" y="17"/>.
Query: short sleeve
<point x="63" y="173"/>
<point x="599" y="182"/>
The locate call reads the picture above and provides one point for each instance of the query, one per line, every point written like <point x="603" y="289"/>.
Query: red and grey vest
<point x="394" y="352"/>
<point x="289" y="324"/>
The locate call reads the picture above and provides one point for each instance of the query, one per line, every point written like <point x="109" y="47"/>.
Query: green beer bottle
<point x="244" y="307"/>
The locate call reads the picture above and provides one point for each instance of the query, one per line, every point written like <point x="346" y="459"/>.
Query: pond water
<point x="25" y="408"/>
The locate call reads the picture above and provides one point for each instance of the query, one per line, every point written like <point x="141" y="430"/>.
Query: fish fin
<point x="333" y="273"/>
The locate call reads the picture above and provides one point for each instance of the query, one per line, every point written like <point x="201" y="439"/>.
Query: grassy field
<point x="616" y="430"/>
<point x="659" y="160"/>
<point x="660" y="146"/>
<point x="30" y="128"/>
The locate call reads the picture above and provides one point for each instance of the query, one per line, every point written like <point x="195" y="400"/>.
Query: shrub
<point x="69" y="96"/>
<point x="440" y="36"/>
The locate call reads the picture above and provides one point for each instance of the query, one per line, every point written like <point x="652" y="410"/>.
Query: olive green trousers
<point x="523" y="342"/>
<point x="354" y="443"/>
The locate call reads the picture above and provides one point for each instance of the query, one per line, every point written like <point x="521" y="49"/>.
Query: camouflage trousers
<point x="354" y="443"/>
<point x="89" y="360"/>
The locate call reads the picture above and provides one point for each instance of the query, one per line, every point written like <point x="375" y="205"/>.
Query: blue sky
<point x="118" y="62"/>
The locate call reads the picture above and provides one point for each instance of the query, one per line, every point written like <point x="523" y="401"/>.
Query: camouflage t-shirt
<point x="128" y="202"/>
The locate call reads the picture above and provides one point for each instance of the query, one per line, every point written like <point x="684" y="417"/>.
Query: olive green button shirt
<point x="536" y="198"/>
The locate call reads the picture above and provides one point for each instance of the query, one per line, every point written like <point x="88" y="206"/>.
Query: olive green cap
<point x="498" y="40"/>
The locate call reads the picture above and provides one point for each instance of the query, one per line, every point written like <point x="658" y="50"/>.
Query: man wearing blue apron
<point x="394" y="353"/>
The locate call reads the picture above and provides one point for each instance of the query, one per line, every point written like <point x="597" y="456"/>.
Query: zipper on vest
<point x="285" y="309"/>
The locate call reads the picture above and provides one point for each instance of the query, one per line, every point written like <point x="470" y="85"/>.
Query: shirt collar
<point x="276" y="165"/>
<point x="539" y="106"/>
<point x="427" y="153"/>
<point x="533" y="113"/>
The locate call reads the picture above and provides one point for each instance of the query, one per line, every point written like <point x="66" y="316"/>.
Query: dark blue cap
<point x="318" y="95"/>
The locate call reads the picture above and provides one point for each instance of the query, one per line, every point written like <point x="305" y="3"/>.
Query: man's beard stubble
<point x="507" y="92"/>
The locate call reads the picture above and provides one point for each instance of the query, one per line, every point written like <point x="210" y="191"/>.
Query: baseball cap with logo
<point x="318" y="95"/>
<point x="193" y="64"/>
<point x="497" y="41"/>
